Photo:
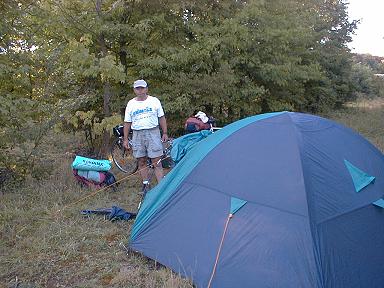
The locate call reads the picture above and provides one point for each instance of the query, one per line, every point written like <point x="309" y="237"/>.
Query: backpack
<point x="194" y="124"/>
<point x="94" y="179"/>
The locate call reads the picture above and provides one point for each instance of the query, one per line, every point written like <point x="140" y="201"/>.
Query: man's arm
<point x="163" y="126"/>
<point x="127" y="128"/>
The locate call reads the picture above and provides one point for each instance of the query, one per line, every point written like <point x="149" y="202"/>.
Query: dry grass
<point x="42" y="248"/>
<point x="376" y="103"/>
<point x="366" y="119"/>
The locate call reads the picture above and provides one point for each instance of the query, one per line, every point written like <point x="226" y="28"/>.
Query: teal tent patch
<point x="182" y="145"/>
<point x="360" y="178"/>
<point x="236" y="204"/>
<point x="379" y="203"/>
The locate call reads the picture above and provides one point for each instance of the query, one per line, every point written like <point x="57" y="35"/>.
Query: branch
<point x="72" y="19"/>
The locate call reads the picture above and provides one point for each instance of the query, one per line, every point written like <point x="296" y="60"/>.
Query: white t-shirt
<point x="143" y="114"/>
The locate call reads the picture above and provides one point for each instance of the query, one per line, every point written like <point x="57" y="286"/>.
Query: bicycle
<point x="150" y="165"/>
<point x="124" y="159"/>
<point x="166" y="155"/>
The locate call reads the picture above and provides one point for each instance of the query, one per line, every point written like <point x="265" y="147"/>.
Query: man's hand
<point x="164" y="138"/>
<point x="126" y="144"/>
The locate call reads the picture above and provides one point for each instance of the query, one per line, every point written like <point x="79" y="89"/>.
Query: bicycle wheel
<point x="167" y="161"/>
<point x="123" y="158"/>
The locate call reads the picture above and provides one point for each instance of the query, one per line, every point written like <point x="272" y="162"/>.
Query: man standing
<point x="143" y="115"/>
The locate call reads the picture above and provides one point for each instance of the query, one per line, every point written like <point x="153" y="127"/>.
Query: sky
<point x="369" y="38"/>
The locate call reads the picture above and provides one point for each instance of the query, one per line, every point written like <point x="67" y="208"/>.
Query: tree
<point x="73" y="62"/>
<point x="22" y="102"/>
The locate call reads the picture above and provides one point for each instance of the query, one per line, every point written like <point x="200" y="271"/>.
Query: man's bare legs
<point x="142" y="163"/>
<point x="158" y="168"/>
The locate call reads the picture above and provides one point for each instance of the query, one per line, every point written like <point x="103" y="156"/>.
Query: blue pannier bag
<point x="89" y="164"/>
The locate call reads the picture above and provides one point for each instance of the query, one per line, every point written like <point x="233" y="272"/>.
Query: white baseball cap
<point x="139" y="83"/>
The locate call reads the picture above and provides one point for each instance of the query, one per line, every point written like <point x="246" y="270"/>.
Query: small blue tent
<point x="274" y="200"/>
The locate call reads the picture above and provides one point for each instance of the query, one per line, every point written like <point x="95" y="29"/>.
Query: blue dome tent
<point x="275" y="200"/>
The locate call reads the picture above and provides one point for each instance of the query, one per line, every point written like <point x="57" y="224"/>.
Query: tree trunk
<point x="107" y="94"/>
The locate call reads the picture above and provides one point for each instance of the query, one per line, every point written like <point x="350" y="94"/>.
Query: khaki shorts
<point x="147" y="142"/>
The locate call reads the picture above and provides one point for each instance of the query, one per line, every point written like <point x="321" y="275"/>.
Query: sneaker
<point x="146" y="186"/>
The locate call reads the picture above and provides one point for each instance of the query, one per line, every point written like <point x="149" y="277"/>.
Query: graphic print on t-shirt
<point x="140" y="111"/>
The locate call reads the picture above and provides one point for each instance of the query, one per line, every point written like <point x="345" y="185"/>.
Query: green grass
<point x="42" y="248"/>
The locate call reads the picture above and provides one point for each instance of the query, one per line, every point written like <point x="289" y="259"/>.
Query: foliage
<point x="264" y="56"/>
<point x="91" y="124"/>
<point x="365" y="79"/>
<point x="376" y="63"/>
<point x="229" y="58"/>
<point x="22" y="109"/>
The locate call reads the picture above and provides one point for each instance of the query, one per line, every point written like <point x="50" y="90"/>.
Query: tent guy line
<point x="219" y="250"/>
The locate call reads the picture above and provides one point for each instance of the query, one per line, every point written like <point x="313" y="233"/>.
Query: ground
<point x="46" y="242"/>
